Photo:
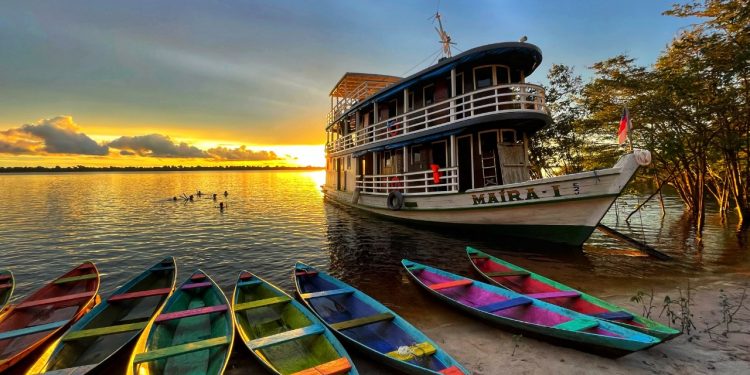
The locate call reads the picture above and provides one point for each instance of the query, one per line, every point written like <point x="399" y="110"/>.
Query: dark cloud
<point x="241" y="154"/>
<point x="59" y="135"/>
<point x="157" y="145"/>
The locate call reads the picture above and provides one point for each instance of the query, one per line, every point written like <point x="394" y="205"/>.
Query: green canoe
<point x="7" y="285"/>
<point x="523" y="281"/>
<point x="284" y="335"/>
<point x="193" y="333"/>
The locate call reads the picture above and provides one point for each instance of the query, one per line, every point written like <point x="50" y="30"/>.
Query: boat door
<point x="512" y="157"/>
<point x="339" y="173"/>
<point x="465" y="163"/>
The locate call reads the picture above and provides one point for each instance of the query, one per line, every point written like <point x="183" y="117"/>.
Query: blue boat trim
<point x="32" y="330"/>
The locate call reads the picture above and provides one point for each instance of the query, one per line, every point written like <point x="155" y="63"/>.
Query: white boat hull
<point x="563" y="209"/>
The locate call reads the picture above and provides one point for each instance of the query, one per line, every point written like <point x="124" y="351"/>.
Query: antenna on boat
<point x="445" y="39"/>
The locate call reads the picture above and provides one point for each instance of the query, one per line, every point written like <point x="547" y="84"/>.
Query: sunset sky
<point x="246" y="82"/>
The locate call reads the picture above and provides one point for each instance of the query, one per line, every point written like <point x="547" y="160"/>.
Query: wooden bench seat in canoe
<point x="261" y="303"/>
<point x="415" y="267"/>
<point x="102" y="331"/>
<point x="280" y="338"/>
<point x="421" y="349"/>
<point x="196" y="285"/>
<point x="577" y="325"/>
<point x="358" y="322"/>
<point x="614" y="315"/>
<point x="5" y="277"/>
<point x="326" y="293"/>
<point x="507" y="273"/>
<point x="451" y="284"/>
<point x="5" y="286"/>
<point x="453" y="370"/>
<point x="55" y="300"/>
<point x="73" y="279"/>
<point x="338" y="366"/>
<point x="181" y="349"/>
<point x="502" y="305"/>
<point x="139" y="294"/>
<point x="249" y="283"/>
<point x="188" y="313"/>
<point x="32" y="330"/>
<point x="306" y="273"/>
<point x="550" y="295"/>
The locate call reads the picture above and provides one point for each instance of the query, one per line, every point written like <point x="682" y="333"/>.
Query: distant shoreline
<point x="172" y="168"/>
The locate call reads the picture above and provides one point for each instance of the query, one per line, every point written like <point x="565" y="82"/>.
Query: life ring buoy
<point x="393" y="128"/>
<point x="395" y="200"/>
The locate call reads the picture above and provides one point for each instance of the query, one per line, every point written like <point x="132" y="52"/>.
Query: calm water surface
<point x="127" y="221"/>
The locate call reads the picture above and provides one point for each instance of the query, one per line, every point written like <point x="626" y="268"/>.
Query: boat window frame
<point x="501" y="139"/>
<point x="447" y="156"/>
<point x="497" y="138"/>
<point x="494" y="75"/>
<point x="471" y="152"/>
<point x="424" y="97"/>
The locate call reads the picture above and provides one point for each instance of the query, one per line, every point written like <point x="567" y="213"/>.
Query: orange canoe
<point x="50" y="310"/>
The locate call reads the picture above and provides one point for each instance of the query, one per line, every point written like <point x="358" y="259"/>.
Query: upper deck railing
<point x="362" y="91"/>
<point x="519" y="97"/>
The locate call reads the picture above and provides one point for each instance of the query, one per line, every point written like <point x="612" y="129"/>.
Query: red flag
<point x="625" y="126"/>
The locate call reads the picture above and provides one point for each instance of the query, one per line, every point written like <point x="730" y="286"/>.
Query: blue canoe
<point x="529" y="315"/>
<point x="371" y="327"/>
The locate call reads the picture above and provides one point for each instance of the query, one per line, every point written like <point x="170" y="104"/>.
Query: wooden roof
<point x="349" y="85"/>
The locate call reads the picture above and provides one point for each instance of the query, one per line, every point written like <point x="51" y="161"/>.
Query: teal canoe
<point x="284" y="335"/>
<point x="192" y="334"/>
<point x="7" y="285"/>
<point x="528" y="315"/>
<point x="523" y="281"/>
<point x="111" y="326"/>
<point x="369" y="326"/>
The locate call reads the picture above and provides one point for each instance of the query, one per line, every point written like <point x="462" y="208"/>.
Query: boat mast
<point x="445" y="39"/>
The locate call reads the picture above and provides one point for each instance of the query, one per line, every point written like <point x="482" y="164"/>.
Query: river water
<point x="127" y="221"/>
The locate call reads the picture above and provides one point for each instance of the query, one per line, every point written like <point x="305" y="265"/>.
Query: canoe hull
<point x="643" y="325"/>
<point x="18" y="317"/>
<point x="595" y="343"/>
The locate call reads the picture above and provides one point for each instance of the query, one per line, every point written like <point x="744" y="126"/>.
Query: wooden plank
<point x="246" y="276"/>
<point x="421" y="349"/>
<point x="140" y="294"/>
<point x="261" y="303"/>
<point x="181" y="349"/>
<point x="577" y="325"/>
<point x="32" y="330"/>
<point x="50" y="301"/>
<point x="188" y="313"/>
<point x="415" y="267"/>
<point x="326" y="293"/>
<point x="196" y="285"/>
<point x="6" y="286"/>
<point x="451" y="284"/>
<point x="502" y="305"/>
<point x="5" y="277"/>
<point x="338" y="366"/>
<point x="614" y="315"/>
<point x="197" y="277"/>
<point x="111" y="330"/>
<point x="549" y="295"/>
<point x="249" y="283"/>
<point x="283" y="337"/>
<point x="507" y="273"/>
<point x="347" y="324"/>
<point x="306" y="273"/>
<point x="73" y="279"/>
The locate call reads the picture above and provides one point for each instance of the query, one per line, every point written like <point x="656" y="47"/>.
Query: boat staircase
<point x="489" y="169"/>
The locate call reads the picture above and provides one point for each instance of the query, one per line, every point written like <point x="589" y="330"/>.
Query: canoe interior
<point x="382" y="337"/>
<point x="7" y="285"/>
<point x="188" y="330"/>
<point x="71" y="310"/>
<point x="94" y="350"/>
<point x="474" y="296"/>
<point x="289" y="357"/>
<point x="585" y="304"/>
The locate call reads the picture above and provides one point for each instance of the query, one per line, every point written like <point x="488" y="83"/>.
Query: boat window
<point x="482" y="77"/>
<point x="416" y="154"/>
<point x="503" y="75"/>
<point x="392" y="108"/>
<point x="428" y="95"/>
<point x="508" y="136"/>
<point x="410" y="105"/>
<point x="388" y="159"/>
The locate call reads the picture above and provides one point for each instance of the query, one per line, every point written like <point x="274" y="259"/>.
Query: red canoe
<point x="52" y="309"/>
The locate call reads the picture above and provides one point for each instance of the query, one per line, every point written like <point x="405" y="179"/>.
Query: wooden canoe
<point x="7" y="285"/>
<point x="111" y="325"/>
<point x="369" y="326"/>
<point x="52" y="309"/>
<point x="284" y="335"/>
<point x="192" y="334"/>
<point x="523" y="281"/>
<point x="528" y="315"/>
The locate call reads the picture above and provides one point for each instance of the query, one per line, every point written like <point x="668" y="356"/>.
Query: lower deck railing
<point x="411" y="183"/>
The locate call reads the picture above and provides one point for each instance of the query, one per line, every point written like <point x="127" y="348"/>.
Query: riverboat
<point x="449" y="145"/>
